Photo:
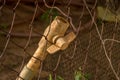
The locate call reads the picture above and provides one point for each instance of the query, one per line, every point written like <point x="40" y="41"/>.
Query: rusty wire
<point x="69" y="55"/>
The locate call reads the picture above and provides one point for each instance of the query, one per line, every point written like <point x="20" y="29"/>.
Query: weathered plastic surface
<point x="57" y="28"/>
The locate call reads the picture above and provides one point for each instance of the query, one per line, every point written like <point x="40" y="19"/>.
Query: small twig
<point x="58" y="62"/>
<point x="40" y="70"/>
<point x="112" y="43"/>
<point x="96" y="72"/>
<point x="69" y="3"/>
<point x="118" y="70"/>
<point x="83" y="11"/>
<point x="101" y="33"/>
<point x="113" y="40"/>
<point x="55" y="76"/>
<point x="86" y="56"/>
<point x="78" y="29"/>
<point x="89" y="24"/>
<point x="68" y="13"/>
<point x="94" y="5"/>
<point x="74" y="51"/>
<point x="22" y="64"/>
<point x="2" y="5"/>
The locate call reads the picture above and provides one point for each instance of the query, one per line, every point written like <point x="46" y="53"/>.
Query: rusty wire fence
<point x="95" y="52"/>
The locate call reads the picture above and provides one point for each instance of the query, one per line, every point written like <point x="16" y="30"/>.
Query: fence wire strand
<point x="95" y="50"/>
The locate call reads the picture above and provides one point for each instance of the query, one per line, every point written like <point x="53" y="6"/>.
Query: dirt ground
<point x="16" y="53"/>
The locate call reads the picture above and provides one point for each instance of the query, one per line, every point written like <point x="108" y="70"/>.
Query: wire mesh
<point x="95" y="51"/>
